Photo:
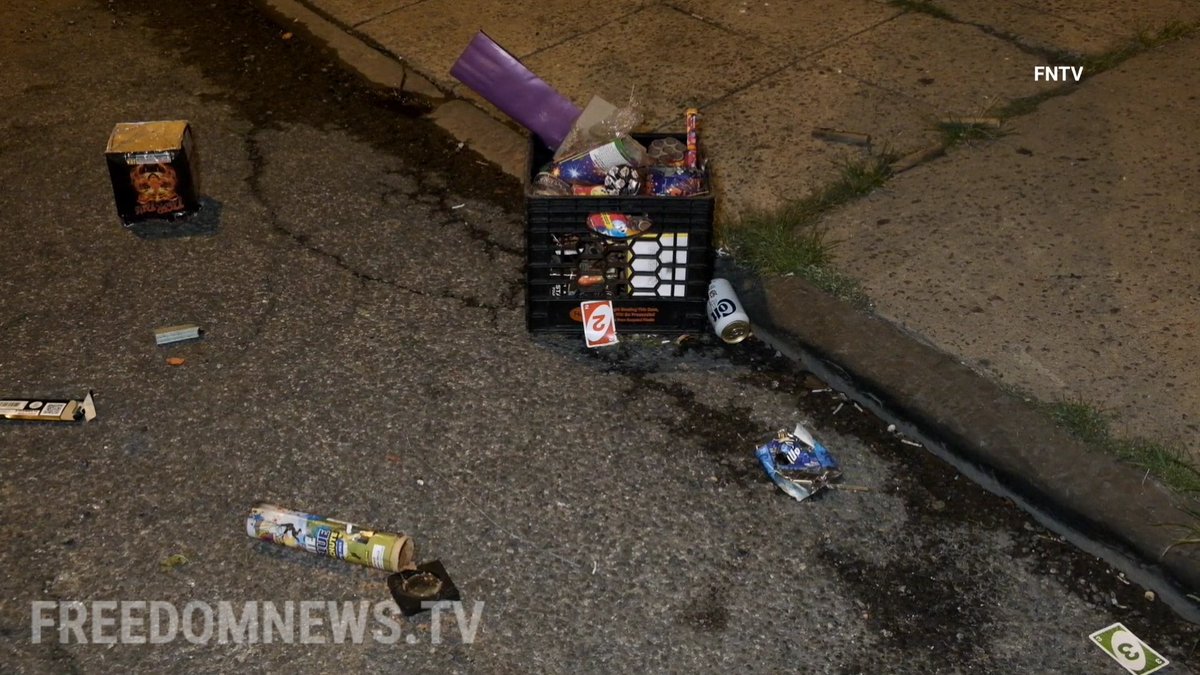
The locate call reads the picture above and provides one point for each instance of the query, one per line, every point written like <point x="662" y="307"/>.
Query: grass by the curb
<point x="1145" y="40"/>
<point x="1191" y="532"/>
<point x="1092" y="426"/>
<point x="792" y="240"/>
<point x="1166" y="464"/>
<point x="957" y="132"/>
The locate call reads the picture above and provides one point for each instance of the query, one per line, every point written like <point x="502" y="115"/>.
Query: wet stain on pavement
<point x="274" y="82"/>
<point x="924" y="603"/>
<point x="709" y="612"/>
<point x="927" y="602"/>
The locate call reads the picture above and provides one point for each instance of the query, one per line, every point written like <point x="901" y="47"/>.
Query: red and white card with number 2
<point x="599" y="323"/>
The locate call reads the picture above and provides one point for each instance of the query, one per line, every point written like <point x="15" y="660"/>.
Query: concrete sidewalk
<point x="1059" y="258"/>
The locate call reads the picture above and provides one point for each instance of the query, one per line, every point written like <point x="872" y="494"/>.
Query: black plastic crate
<point x="664" y="287"/>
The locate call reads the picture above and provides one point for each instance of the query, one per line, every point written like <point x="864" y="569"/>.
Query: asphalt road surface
<point x="359" y="277"/>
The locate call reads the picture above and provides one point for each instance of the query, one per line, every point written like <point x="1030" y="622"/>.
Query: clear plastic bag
<point x="600" y="123"/>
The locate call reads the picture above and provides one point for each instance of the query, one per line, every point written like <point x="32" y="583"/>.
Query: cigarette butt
<point x="839" y="136"/>
<point x="912" y="443"/>
<point x="176" y="361"/>
<point x="989" y="122"/>
<point x="914" y="158"/>
<point x="849" y="488"/>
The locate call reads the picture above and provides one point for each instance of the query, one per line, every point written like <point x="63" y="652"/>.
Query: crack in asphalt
<point x="258" y="163"/>
<point x="479" y="234"/>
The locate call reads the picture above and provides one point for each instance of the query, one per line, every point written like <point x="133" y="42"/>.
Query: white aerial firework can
<point x="728" y="318"/>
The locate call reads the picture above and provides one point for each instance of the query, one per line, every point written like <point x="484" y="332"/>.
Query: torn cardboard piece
<point x="415" y="590"/>
<point x="45" y="410"/>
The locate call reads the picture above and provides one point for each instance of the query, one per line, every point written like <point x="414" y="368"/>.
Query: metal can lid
<point x="736" y="332"/>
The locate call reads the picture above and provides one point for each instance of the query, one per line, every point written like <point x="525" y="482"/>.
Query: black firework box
<point x="152" y="170"/>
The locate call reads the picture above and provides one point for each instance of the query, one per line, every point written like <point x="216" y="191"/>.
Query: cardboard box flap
<point x="132" y="137"/>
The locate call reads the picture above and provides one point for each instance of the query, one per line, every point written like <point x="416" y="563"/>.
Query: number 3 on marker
<point x="1126" y="649"/>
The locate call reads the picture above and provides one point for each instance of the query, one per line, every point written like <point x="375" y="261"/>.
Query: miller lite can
<point x="725" y="311"/>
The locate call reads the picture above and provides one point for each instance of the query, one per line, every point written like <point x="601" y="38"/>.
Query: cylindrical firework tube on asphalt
<point x="329" y="537"/>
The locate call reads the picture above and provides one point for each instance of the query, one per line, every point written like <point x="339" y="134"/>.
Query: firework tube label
<point x="591" y="168"/>
<point x="150" y="164"/>
<point x="599" y="323"/>
<point x="46" y="410"/>
<point x="692" y="122"/>
<point x="673" y="182"/>
<point x="590" y="191"/>
<point x="329" y="537"/>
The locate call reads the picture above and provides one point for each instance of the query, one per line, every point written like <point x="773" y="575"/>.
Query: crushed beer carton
<point x="151" y="166"/>
<point x="797" y="463"/>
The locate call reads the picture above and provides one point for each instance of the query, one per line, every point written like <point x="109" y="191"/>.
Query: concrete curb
<point x="486" y="135"/>
<point x="985" y="426"/>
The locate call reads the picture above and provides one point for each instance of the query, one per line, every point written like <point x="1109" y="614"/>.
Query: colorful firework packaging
<point x="667" y="151"/>
<point x="150" y="164"/>
<point x="590" y="191"/>
<point x="691" y="121"/>
<point x="669" y="167"/>
<point x="797" y="463"/>
<point x="591" y="167"/>
<point x="329" y="537"/>
<point x="674" y="182"/>
<point x="618" y="225"/>
<point x="623" y="180"/>
<point x="547" y="184"/>
<point x="591" y="263"/>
